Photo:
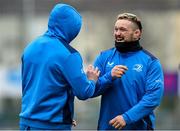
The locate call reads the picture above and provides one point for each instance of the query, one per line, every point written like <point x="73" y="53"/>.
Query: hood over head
<point x="64" y="23"/>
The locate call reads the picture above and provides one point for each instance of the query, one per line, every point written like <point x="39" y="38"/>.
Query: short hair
<point x="131" y="17"/>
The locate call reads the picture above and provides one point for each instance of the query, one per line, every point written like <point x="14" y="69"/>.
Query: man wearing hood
<point x="134" y="77"/>
<point x="52" y="74"/>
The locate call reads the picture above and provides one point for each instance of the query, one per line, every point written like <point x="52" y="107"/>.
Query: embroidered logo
<point x="159" y="81"/>
<point x="138" y="67"/>
<point x="110" y="64"/>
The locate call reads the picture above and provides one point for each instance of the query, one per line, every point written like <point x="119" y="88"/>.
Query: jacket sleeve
<point x="73" y="71"/>
<point x="105" y="79"/>
<point x="154" y="91"/>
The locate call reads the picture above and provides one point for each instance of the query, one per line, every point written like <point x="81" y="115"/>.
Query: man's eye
<point x="122" y="29"/>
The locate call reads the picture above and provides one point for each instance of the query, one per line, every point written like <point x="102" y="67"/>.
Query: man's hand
<point x="118" y="122"/>
<point x="92" y="73"/>
<point x="74" y="123"/>
<point x="118" y="71"/>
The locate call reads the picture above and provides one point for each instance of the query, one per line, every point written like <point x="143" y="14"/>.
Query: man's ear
<point x="137" y="34"/>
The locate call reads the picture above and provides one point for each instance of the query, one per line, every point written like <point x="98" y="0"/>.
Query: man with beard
<point x="135" y="77"/>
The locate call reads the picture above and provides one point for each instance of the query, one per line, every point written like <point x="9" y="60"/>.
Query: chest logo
<point x="138" y="67"/>
<point x="110" y="64"/>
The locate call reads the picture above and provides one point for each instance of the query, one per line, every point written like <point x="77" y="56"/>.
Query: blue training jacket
<point x="52" y="73"/>
<point x="135" y="95"/>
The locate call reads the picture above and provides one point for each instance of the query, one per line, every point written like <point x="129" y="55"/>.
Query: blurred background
<point x="23" y="20"/>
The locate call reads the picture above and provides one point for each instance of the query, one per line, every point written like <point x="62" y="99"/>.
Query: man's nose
<point x="118" y="32"/>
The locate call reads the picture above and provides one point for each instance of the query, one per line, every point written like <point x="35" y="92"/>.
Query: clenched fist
<point x="118" y="122"/>
<point x="118" y="71"/>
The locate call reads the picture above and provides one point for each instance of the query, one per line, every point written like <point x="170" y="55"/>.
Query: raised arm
<point x="106" y="78"/>
<point x="73" y="71"/>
